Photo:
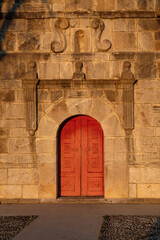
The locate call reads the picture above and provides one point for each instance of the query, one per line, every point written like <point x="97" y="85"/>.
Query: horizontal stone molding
<point x="84" y="14"/>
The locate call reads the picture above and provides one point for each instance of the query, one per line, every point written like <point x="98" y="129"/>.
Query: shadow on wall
<point x="8" y="17"/>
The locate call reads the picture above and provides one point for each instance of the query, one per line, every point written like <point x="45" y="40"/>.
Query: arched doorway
<point x="81" y="158"/>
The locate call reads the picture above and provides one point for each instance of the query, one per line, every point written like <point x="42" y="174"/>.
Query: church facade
<point x="80" y="100"/>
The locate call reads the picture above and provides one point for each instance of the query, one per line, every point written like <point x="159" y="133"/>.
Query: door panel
<point x="82" y="162"/>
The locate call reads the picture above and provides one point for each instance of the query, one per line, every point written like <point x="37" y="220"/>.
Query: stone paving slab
<point x="71" y="221"/>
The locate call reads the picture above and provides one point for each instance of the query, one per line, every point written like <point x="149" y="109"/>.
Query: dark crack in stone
<point x="130" y="227"/>
<point x="10" y="226"/>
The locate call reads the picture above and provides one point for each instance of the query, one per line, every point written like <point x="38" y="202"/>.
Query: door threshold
<point x="81" y="199"/>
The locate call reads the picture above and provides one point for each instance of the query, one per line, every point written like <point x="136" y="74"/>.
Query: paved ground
<point x="71" y="221"/>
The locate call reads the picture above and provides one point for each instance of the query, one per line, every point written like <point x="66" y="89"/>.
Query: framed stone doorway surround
<point x="81" y="97"/>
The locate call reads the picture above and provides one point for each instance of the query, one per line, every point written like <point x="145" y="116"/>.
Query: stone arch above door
<point x="115" y="162"/>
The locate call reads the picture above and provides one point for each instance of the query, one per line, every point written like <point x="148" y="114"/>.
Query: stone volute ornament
<point x="59" y="47"/>
<point x="99" y="26"/>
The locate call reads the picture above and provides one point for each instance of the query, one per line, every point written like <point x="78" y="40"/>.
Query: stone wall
<point x="79" y="51"/>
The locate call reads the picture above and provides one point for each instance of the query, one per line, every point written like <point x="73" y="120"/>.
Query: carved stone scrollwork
<point x="59" y="47"/>
<point x="127" y="81"/>
<point x="99" y="26"/>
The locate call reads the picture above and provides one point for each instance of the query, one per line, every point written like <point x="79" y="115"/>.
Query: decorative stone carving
<point x="80" y="41"/>
<point x="30" y="84"/>
<point x="78" y="74"/>
<point x="128" y="81"/>
<point x="59" y="47"/>
<point x="99" y="26"/>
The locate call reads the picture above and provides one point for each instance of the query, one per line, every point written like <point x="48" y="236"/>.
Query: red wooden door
<point x="82" y="172"/>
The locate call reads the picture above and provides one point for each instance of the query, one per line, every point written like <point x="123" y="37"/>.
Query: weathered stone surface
<point x="10" y="191"/>
<point x="132" y="190"/>
<point x="20" y="145"/>
<point x="93" y="70"/>
<point x="149" y="175"/>
<point x="125" y="4"/>
<point x="47" y="128"/>
<point x="121" y="25"/>
<point x="126" y="41"/>
<point x="145" y="69"/>
<point x="30" y="191"/>
<point x="28" y="41"/>
<point x="23" y="176"/>
<point x="59" y="112"/>
<point x="15" y="111"/>
<point x="148" y="190"/>
<point x="55" y="95"/>
<point x="111" y="95"/>
<point x="79" y="106"/>
<point x="148" y="24"/>
<point x="45" y="146"/>
<point x="47" y="158"/>
<point x="39" y="25"/>
<point x="49" y="70"/>
<point x="24" y="158"/>
<point x="111" y="127"/>
<point x="100" y="110"/>
<point x="3" y="145"/>
<point x="145" y="41"/>
<point x="3" y="176"/>
<point x="66" y="70"/>
<point x="134" y="175"/>
<point x="10" y="42"/>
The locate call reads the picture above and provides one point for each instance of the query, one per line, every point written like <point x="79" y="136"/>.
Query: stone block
<point x="21" y="145"/>
<point x="132" y="190"/>
<point x="143" y="114"/>
<point x="43" y="95"/>
<point x="2" y="110"/>
<point x="125" y="5"/>
<point x="149" y="175"/>
<point x="30" y="191"/>
<point x="79" y="106"/>
<point x="115" y="145"/>
<point x="58" y="6"/>
<point x="55" y="95"/>
<point x="45" y="146"/>
<point x="48" y="191"/>
<point x="47" y="128"/>
<point x="145" y="41"/>
<point x="7" y="96"/>
<point x="111" y="95"/>
<point x="66" y="71"/>
<point x="47" y="173"/>
<point x="145" y="70"/>
<point x="10" y="41"/>
<point x="147" y="97"/>
<point x="16" y="25"/>
<point x="93" y="70"/>
<point x="110" y="4"/>
<point x="143" y="131"/>
<point x="96" y="93"/>
<point x="47" y="38"/>
<point x="18" y="132"/>
<point x="157" y="35"/>
<point x="116" y="180"/>
<point x="127" y="41"/>
<point x="28" y="41"/>
<point x="50" y="70"/>
<point x="81" y="5"/>
<point x="23" y="176"/>
<point x="148" y="24"/>
<point x="41" y="25"/>
<point x="47" y="158"/>
<point x="111" y="127"/>
<point x="3" y="176"/>
<point x="15" y="111"/>
<point x="10" y="191"/>
<point x="22" y="159"/>
<point x="3" y="145"/>
<point x="4" y="133"/>
<point x="59" y="112"/>
<point x="123" y="25"/>
<point x="133" y="175"/>
<point x="7" y="158"/>
<point x="148" y="190"/>
<point x="100" y="110"/>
